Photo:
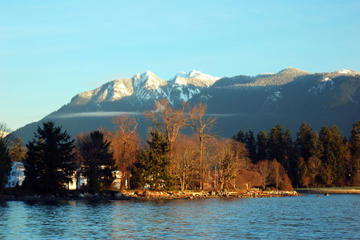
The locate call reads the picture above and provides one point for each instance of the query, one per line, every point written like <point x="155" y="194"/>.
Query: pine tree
<point x="98" y="163"/>
<point x="355" y="153"/>
<point x="335" y="155"/>
<point x="303" y="141"/>
<point x="49" y="163"/>
<point x="302" y="173"/>
<point x="152" y="165"/>
<point x="261" y="146"/>
<point x="5" y="164"/>
<point x="250" y="144"/>
<point x="288" y="157"/>
<point x="240" y="136"/>
<point x="279" y="145"/>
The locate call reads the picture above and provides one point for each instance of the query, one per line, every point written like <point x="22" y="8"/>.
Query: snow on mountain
<point x="185" y="85"/>
<point x="147" y="86"/>
<point x="148" y="80"/>
<point x="3" y="134"/>
<point x="195" y="78"/>
<point x="110" y="91"/>
<point x="347" y="72"/>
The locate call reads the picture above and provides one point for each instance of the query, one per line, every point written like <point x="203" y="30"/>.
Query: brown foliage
<point x="125" y="143"/>
<point x="202" y="126"/>
<point x="247" y="179"/>
<point x="168" y="119"/>
<point x="229" y="156"/>
<point x="184" y="166"/>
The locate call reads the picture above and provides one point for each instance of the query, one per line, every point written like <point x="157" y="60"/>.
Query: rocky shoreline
<point x="144" y="195"/>
<point x="328" y="191"/>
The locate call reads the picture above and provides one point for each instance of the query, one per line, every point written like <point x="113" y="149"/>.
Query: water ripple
<point x="306" y="217"/>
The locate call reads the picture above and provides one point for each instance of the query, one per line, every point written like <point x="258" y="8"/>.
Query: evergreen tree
<point x="240" y="136"/>
<point x="5" y="164"/>
<point x="261" y="146"/>
<point x="279" y="145"/>
<point x="152" y="165"/>
<point x="250" y="144"/>
<point x="288" y="160"/>
<point x="98" y="163"/>
<point x="303" y="141"/>
<point x="49" y="163"/>
<point x="302" y="173"/>
<point x="355" y="153"/>
<point x="335" y="156"/>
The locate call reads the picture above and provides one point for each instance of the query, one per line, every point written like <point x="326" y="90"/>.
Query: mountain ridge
<point x="251" y="102"/>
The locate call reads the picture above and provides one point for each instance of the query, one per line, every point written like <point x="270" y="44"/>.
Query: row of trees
<point x="313" y="159"/>
<point x="198" y="160"/>
<point x="53" y="158"/>
<point x="171" y="159"/>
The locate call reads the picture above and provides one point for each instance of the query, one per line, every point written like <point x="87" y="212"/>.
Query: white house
<point x="17" y="175"/>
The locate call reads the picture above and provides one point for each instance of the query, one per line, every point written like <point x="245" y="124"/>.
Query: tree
<point x="278" y="176"/>
<point x="250" y="143"/>
<point x="17" y="152"/>
<point x="98" y="163"/>
<point x="125" y="142"/>
<point x="302" y="173"/>
<point x="152" y="166"/>
<point x="170" y="120"/>
<point x="240" y="136"/>
<point x="261" y="145"/>
<point x="304" y="141"/>
<point x="355" y="153"/>
<point x="202" y="126"/>
<point x="5" y="164"/>
<point x="183" y="165"/>
<point x="335" y="156"/>
<point x="263" y="168"/>
<point x="227" y="162"/>
<point x="275" y="143"/>
<point x="49" y="164"/>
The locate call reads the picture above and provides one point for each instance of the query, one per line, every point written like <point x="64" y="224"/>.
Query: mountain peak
<point x="148" y="80"/>
<point x="347" y="72"/>
<point x="292" y="70"/>
<point x="195" y="78"/>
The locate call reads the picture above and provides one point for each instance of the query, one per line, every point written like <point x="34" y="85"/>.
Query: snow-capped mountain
<point x="147" y="86"/>
<point x="289" y="97"/>
<point x="195" y="78"/>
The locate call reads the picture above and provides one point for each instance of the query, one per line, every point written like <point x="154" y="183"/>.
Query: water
<point x="306" y="217"/>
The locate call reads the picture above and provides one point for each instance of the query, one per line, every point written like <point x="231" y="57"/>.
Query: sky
<point x="52" y="50"/>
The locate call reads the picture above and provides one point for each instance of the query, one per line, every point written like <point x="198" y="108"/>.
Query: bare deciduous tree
<point x="125" y="144"/>
<point x="183" y="165"/>
<point x="170" y="120"/>
<point x="202" y="126"/>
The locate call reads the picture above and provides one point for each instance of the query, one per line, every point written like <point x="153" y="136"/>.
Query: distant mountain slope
<point x="290" y="97"/>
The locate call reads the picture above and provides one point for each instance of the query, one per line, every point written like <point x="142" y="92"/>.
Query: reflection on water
<point x="307" y="217"/>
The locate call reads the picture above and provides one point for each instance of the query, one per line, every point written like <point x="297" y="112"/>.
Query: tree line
<point x="312" y="159"/>
<point x="182" y="153"/>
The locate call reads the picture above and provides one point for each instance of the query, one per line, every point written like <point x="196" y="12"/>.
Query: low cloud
<point x="94" y="114"/>
<point x="114" y="114"/>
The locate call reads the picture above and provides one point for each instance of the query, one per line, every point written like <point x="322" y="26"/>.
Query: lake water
<point x="306" y="217"/>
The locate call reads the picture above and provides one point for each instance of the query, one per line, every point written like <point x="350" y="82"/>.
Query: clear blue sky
<point x="52" y="50"/>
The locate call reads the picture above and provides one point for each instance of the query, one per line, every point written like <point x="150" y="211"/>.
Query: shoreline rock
<point x="145" y="195"/>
